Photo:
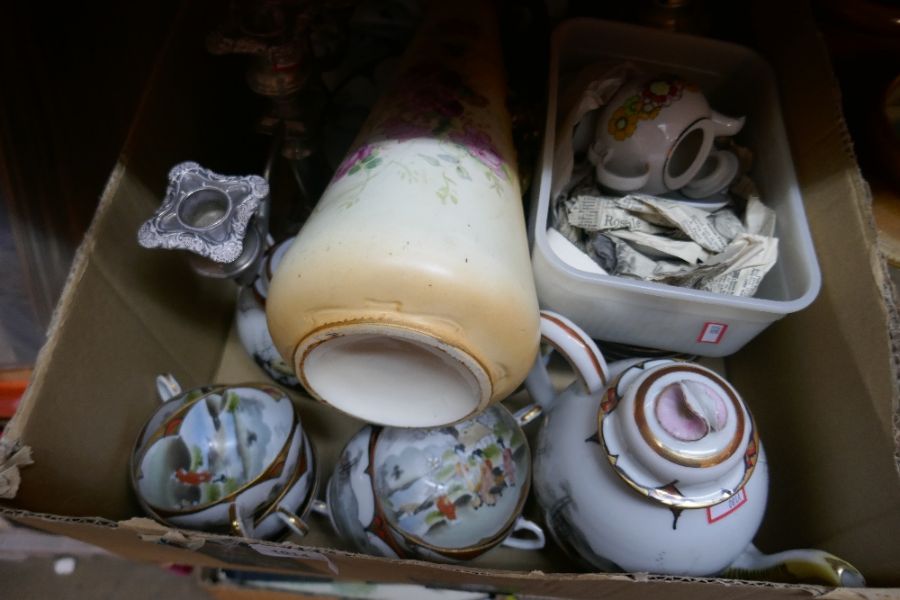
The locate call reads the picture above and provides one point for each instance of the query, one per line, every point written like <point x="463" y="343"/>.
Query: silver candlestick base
<point x="208" y="215"/>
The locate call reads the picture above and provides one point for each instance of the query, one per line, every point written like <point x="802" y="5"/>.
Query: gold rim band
<point x="671" y="454"/>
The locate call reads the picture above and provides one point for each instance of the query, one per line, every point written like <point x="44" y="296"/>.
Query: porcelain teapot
<point x="656" y="134"/>
<point x="658" y="469"/>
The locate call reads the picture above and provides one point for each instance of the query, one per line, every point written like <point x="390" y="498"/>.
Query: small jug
<point x="661" y="469"/>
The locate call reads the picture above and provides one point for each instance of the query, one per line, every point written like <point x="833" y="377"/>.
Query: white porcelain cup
<point x="655" y="135"/>
<point x="445" y="494"/>
<point x="229" y="451"/>
<point x="250" y="320"/>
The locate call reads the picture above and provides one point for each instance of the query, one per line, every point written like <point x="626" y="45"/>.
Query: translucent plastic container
<point x="737" y="81"/>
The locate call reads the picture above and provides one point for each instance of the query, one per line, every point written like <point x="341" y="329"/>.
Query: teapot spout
<point x="726" y="126"/>
<point x="806" y="565"/>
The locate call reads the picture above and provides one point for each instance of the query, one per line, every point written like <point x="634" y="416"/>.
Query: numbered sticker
<point x="723" y="509"/>
<point x="712" y="333"/>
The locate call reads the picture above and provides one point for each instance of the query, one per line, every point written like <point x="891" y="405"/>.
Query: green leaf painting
<point x="232" y="399"/>
<point x="445" y="472"/>
<point x="492" y="452"/>
<point x="211" y="492"/>
<point x="433" y="517"/>
<point x="196" y="458"/>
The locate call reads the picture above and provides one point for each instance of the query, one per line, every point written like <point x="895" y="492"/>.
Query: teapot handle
<point x="534" y="541"/>
<point x="579" y="350"/>
<point x="795" y="566"/>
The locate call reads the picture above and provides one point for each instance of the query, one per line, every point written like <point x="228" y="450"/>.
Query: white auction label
<point x="723" y="509"/>
<point x="712" y="333"/>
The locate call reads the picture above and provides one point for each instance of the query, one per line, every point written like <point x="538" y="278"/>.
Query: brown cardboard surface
<point x="225" y="591"/>
<point x="235" y="553"/>
<point x="108" y="353"/>
<point x="228" y="591"/>
<point x="822" y="382"/>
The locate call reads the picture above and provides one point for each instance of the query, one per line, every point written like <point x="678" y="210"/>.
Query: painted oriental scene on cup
<point x="446" y="486"/>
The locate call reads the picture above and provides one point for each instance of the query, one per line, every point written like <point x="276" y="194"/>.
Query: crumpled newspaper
<point x="652" y="238"/>
<point x="579" y="104"/>
<point x="11" y="458"/>
<point x="667" y="241"/>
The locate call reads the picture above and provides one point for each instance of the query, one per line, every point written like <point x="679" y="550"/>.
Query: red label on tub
<point x="712" y="333"/>
<point x="723" y="509"/>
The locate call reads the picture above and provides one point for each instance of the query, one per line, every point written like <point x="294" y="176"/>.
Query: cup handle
<point x="534" y="541"/>
<point x="579" y="350"/>
<point x="320" y="507"/>
<point x="724" y="170"/>
<point x="167" y="387"/>
<point x="795" y="566"/>
<point x="294" y="523"/>
<point x="527" y="414"/>
<point x="240" y="526"/>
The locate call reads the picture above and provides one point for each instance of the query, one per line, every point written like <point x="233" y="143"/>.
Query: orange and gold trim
<point x="595" y="362"/>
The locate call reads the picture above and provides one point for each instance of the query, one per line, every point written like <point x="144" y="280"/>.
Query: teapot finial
<point x="680" y="434"/>
<point x="689" y="410"/>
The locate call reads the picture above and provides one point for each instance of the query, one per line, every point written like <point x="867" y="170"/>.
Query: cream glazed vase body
<point x="407" y="298"/>
<point x="662" y="472"/>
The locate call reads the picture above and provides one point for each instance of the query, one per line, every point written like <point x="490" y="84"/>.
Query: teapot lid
<point x="678" y="433"/>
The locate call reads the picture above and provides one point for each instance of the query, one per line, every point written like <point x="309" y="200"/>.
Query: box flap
<point x="823" y="382"/>
<point x="225" y="552"/>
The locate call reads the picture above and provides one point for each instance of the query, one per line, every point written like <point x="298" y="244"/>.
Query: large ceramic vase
<point x="407" y="298"/>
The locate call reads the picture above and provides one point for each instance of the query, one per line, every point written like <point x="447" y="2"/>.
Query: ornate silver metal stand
<point x="222" y="220"/>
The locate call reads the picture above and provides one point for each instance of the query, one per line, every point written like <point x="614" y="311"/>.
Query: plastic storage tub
<point x="737" y="81"/>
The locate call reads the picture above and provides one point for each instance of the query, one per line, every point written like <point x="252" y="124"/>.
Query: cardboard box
<point x="822" y="382"/>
